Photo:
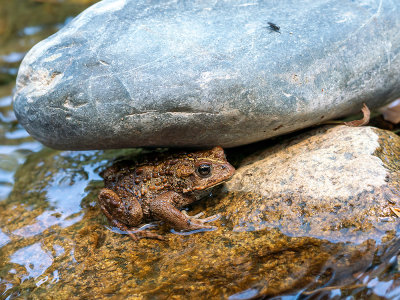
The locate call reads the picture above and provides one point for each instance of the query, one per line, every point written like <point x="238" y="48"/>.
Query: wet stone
<point x="335" y="183"/>
<point x="293" y="218"/>
<point x="129" y="73"/>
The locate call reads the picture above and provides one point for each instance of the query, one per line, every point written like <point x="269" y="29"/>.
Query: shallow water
<point x="50" y="225"/>
<point x="23" y="24"/>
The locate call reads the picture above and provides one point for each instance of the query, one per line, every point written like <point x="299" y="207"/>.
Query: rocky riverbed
<point x="283" y="228"/>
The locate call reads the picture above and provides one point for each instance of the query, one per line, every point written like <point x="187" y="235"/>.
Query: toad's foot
<point x="205" y="220"/>
<point x="195" y="220"/>
<point x="137" y="234"/>
<point x="141" y="233"/>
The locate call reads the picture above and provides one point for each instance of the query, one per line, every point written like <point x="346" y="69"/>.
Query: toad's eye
<point x="204" y="170"/>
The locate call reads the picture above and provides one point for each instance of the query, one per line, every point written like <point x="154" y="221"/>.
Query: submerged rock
<point x="126" y="73"/>
<point x="312" y="213"/>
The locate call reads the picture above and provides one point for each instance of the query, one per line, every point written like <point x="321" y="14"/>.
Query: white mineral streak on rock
<point x="41" y="48"/>
<point x="338" y="163"/>
<point x="38" y="50"/>
<point x="45" y="82"/>
<point x="109" y="6"/>
<point x="207" y="77"/>
<point x="52" y="57"/>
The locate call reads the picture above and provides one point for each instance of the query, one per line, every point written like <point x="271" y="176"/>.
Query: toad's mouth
<point x="213" y="185"/>
<point x="207" y="187"/>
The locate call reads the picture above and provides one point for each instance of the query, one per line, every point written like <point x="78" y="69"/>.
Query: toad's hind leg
<point x="124" y="214"/>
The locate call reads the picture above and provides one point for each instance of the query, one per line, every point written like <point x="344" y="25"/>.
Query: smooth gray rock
<point x="126" y="73"/>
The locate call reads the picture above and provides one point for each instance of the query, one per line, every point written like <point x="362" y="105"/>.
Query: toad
<point x="157" y="189"/>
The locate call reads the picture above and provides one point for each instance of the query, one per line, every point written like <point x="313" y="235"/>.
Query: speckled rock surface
<point x="335" y="183"/>
<point x="301" y="217"/>
<point x="127" y="73"/>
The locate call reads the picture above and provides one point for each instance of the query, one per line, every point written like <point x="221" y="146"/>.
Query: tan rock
<point x="332" y="182"/>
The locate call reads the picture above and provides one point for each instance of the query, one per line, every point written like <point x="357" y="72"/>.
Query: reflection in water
<point x="6" y="180"/>
<point x="16" y="143"/>
<point x="13" y="57"/>
<point x="65" y="194"/>
<point x="23" y="24"/>
<point x="381" y="288"/>
<point x="11" y="156"/>
<point x="65" y="177"/>
<point x="247" y="294"/>
<point x="44" y="221"/>
<point x="67" y="20"/>
<point x="34" y="259"/>
<point x="4" y="239"/>
<point x="11" y="149"/>
<point x="17" y="134"/>
<point x="59" y="250"/>
<point x="5" y="101"/>
<point x="56" y="276"/>
<point x="31" y="30"/>
<point x="335" y="293"/>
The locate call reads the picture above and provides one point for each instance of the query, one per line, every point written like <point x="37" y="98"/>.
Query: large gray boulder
<point x="126" y="73"/>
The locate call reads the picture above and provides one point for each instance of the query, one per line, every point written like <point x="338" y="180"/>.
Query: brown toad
<point x="156" y="190"/>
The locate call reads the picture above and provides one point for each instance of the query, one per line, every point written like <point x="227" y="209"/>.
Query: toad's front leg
<point x="162" y="207"/>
